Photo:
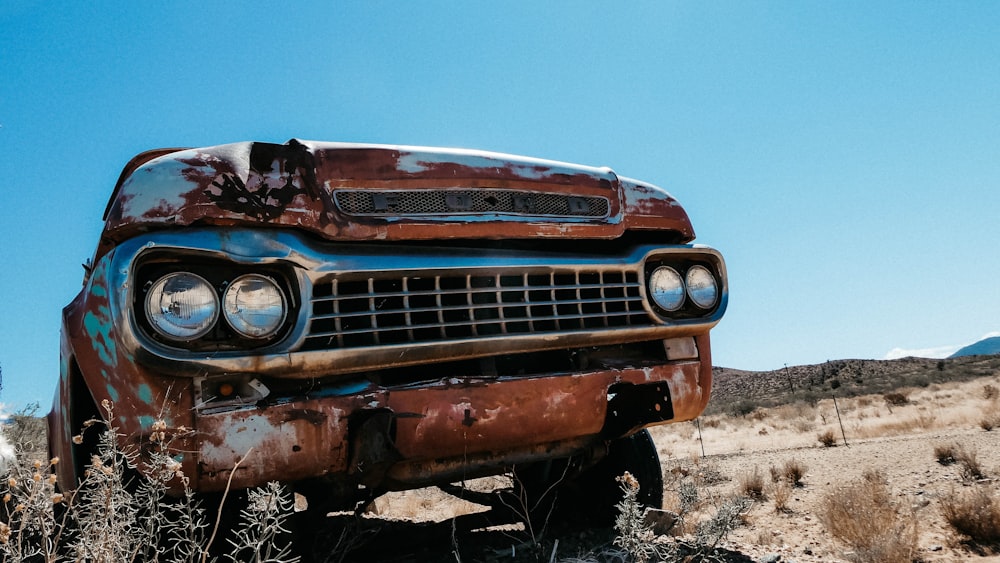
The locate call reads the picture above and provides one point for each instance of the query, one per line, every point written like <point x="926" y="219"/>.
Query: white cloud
<point x="936" y="352"/>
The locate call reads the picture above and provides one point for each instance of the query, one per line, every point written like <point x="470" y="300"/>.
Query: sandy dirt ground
<point x="896" y="441"/>
<point x="907" y="462"/>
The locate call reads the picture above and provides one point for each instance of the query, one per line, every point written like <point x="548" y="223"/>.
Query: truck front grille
<point x="349" y="311"/>
<point x="469" y="202"/>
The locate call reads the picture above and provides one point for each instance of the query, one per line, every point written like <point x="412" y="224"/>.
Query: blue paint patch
<point x="145" y="421"/>
<point x="98" y="328"/>
<point x="341" y="390"/>
<point x="97" y="324"/>
<point x="97" y="290"/>
<point x="145" y="394"/>
<point x="112" y="394"/>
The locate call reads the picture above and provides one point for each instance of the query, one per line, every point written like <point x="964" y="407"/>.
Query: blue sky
<point x="845" y="157"/>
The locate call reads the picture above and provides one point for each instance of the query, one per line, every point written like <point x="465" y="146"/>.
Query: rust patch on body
<point x="310" y="416"/>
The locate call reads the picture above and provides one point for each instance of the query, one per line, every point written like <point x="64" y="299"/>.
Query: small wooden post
<point x="697" y="422"/>
<point x="842" y="433"/>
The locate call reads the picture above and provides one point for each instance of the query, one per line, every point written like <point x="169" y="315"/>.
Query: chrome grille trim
<point x="351" y="311"/>
<point x="395" y="203"/>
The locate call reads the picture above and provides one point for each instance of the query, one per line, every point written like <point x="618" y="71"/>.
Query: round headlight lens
<point x="254" y="306"/>
<point x="182" y="306"/>
<point x="701" y="287"/>
<point x="667" y="288"/>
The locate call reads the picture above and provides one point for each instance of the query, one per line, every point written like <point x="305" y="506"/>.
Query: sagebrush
<point x="119" y="514"/>
<point x="867" y="518"/>
<point x="975" y="516"/>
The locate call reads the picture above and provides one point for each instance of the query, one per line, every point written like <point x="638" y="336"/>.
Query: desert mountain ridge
<point x="985" y="346"/>
<point x="736" y="390"/>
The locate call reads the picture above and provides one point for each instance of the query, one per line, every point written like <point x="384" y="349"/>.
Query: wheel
<point x="557" y="492"/>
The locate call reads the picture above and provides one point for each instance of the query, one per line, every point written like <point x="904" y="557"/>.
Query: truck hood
<point x="356" y="192"/>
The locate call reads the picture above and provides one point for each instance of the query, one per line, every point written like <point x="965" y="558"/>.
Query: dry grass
<point x="942" y="406"/>
<point x="943" y="418"/>
<point x="896" y="399"/>
<point x="990" y="416"/>
<point x="968" y="462"/>
<point x="781" y="492"/>
<point x="866" y="518"/>
<point x="975" y="516"/>
<point x="752" y="484"/>
<point x="115" y="514"/>
<point x="793" y="472"/>
<point x="827" y="438"/>
<point x="945" y="453"/>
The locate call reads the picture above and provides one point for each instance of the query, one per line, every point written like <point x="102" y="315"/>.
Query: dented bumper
<point x="447" y="430"/>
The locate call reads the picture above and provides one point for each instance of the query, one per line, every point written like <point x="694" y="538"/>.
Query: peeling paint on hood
<point x="292" y="185"/>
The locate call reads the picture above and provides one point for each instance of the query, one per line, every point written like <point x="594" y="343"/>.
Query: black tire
<point x="588" y="497"/>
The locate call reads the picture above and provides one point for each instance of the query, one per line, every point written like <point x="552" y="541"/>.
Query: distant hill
<point x="984" y="347"/>
<point x="739" y="391"/>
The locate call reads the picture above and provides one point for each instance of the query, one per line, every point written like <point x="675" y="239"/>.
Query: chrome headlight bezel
<point x="702" y="287"/>
<point x="240" y="320"/>
<point x="666" y="288"/>
<point x="226" y="332"/>
<point x="702" y="282"/>
<point x="160" y="315"/>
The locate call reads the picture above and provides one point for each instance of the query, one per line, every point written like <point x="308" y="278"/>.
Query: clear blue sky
<point x="844" y="156"/>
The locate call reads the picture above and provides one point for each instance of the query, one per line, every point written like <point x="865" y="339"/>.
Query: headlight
<point x="254" y="306"/>
<point x="667" y="288"/>
<point x="701" y="287"/>
<point x="182" y="306"/>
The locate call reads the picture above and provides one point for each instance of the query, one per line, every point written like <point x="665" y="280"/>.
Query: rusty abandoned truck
<point x="353" y="319"/>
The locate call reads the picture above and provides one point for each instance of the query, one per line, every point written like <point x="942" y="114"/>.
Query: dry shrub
<point x="971" y="469"/>
<point x="791" y="472"/>
<point x="709" y="475"/>
<point x="866" y="518"/>
<point x="711" y="422"/>
<point x="945" y="453"/>
<point x="780" y="493"/>
<point x="752" y="484"/>
<point x="896" y="399"/>
<point x="975" y="516"/>
<point x="729" y="514"/>
<point x="990" y="392"/>
<point x="794" y="471"/>
<point x="118" y="514"/>
<point x="827" y="438"/>
<point x="634" y="536"/>
<point x="991" y="418"/>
